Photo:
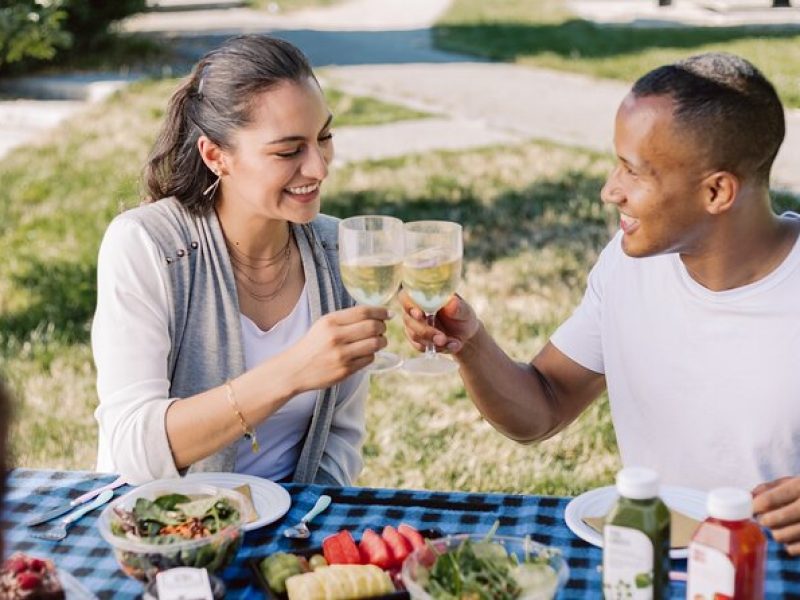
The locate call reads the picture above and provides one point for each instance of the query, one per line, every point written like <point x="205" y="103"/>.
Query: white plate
<point x="597" y="503"/>
<point x="270" y="500"/>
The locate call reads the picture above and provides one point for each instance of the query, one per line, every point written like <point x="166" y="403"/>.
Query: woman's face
<point x="277" y="163"/>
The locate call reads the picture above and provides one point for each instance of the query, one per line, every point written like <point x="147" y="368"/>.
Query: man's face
<point x="656" y="183"/>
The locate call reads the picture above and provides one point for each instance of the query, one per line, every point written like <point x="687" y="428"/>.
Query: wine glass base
<point x="385" y="361"/>
<point x="424" y="365"/>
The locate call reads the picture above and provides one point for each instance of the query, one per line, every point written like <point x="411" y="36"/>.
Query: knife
<point x="64" y="508"/>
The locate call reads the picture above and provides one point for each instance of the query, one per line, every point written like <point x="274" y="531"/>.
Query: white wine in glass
<point x="431" y="274"/>
<point x="371" y="260"/>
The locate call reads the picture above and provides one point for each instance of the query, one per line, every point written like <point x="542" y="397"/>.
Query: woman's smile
<point x="304" y="193"/>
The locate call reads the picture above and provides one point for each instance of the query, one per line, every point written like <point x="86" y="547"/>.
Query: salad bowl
<point x="456" y="565"/>
<point x="171" y="523"/>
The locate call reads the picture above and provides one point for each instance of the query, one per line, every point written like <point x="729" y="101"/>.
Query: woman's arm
<point x="130" y="344"/>
<point x="337" y="345"/>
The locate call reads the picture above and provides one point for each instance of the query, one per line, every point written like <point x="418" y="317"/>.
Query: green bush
<point x="88" y="20"/>
<point x="31" y="29"/>
<point x="35" y="31"/>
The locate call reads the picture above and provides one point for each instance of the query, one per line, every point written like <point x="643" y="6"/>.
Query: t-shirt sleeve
<point x="580" y="336"/>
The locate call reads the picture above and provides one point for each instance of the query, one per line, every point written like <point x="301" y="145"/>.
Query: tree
<point x="31" y="29"/>
<point x="39" y="30"/>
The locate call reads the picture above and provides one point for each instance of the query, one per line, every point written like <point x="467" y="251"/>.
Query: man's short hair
<point x="727" y="105"/>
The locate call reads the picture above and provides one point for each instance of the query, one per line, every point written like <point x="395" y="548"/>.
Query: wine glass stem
<point x="430" y="348"/>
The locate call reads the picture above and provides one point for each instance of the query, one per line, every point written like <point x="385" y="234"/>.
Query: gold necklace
<point x="263" y="297"/>
<point x="255" y="262"/>
<point x="252" y="284"/>
<point x="242" y="266"/>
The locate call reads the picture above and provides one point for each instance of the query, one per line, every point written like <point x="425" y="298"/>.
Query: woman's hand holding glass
<point x="337" y="345"/>
<point x="370" y="258"/>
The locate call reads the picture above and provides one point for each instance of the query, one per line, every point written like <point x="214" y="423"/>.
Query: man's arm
<point x="526" y="402"/>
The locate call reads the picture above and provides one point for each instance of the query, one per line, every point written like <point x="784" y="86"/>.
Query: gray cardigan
<point x="206" y="334"/>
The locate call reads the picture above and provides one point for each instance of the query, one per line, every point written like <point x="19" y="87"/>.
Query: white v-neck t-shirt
<point x="704" y="386"/>
<point x="281" y="435"/>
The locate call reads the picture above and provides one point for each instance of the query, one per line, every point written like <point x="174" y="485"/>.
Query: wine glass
<point x="431" y="273"/>
<point x="371" y="260"/>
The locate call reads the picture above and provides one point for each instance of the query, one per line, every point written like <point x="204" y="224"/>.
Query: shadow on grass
<point x="62" y="301"/>
<point x="567" y="208"/>
<point x="578" y="38"/>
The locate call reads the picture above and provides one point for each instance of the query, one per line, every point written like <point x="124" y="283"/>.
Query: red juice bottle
<point x="727" y="555"/>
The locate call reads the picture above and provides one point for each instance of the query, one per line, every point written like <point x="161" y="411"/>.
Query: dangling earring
<point x="212" y="189"/>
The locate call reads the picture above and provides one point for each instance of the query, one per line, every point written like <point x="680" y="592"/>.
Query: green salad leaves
<point x="485" y="570"/>
<point x="174" y="517"/>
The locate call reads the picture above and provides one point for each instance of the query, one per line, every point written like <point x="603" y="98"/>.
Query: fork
<point x="300" y="531"/>
<point x="58" y="532"/>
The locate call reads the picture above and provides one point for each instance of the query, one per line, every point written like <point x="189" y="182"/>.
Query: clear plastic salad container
<point x="532" y="571"/>
<point x="144" y="552"/>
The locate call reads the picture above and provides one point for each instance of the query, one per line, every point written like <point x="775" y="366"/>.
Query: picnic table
<point x="88" y="557"/>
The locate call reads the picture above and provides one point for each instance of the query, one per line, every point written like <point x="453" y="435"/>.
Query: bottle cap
<point x="637" y="483"/>
<point x="730" y="504"/>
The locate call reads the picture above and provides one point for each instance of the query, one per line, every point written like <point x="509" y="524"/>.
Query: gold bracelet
<point x="249" y="432"/>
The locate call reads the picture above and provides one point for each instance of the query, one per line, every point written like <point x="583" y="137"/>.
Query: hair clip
<point x="200" y="85"/>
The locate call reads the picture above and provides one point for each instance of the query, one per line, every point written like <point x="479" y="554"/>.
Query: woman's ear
<point x="211" y="154"/>
<point x="720" y="190"/>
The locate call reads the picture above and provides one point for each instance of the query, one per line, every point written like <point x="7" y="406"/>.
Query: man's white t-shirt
<point x="704" y="386"/>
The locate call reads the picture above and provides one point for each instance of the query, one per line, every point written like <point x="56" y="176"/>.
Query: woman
<point x="223" y="338"/>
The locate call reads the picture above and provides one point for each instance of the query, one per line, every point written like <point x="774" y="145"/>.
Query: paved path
<point x="24" y="121"/>
<point x="383" y="48"/>
<point x="351" y="15"/>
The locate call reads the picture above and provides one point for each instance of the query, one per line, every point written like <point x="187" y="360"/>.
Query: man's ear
<point x="211" y="154"/>
<point x="720" y="190"/>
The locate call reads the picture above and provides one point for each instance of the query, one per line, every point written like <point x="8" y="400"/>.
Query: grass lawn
<point x="360" y="110"/>
<point x="543" y="33"/>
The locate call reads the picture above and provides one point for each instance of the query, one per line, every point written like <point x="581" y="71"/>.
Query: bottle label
<point x="712" y="575"/>
<point x="627" y="564"/>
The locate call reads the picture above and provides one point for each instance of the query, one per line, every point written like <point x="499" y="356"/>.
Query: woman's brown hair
<point x="215" y="100"/>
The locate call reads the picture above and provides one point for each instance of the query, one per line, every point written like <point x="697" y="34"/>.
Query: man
<point x="691" y="317"/>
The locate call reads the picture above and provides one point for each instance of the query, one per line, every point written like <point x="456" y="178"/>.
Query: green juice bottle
<point x="636" y="540"/>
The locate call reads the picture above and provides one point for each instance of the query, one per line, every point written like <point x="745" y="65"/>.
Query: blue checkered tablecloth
<point x="87" y="556"/>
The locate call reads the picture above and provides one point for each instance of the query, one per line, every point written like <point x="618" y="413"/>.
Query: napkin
<point x="244" y="490"/>
<point x="681" y="530"/>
